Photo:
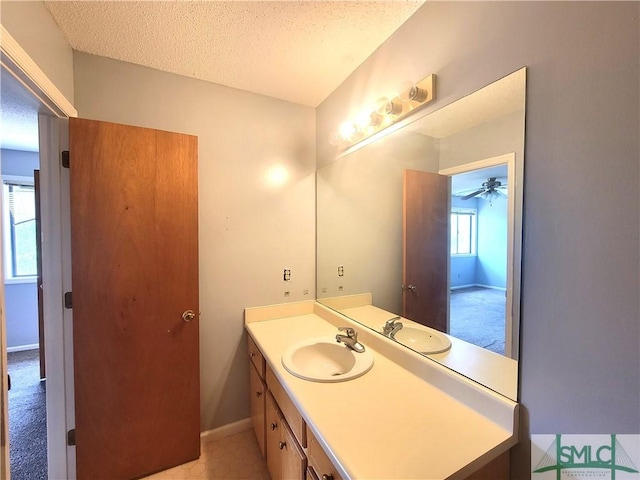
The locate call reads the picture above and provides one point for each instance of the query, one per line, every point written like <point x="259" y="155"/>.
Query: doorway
<point x="481" y="253"/>
<point x="36" y="99"/>
<point x="19" y="160"/>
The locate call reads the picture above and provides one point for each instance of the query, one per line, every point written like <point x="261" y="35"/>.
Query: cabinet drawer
<point x="294" y="419"/>
<point x="318" y="460"/>
<point x="256" y="356"/>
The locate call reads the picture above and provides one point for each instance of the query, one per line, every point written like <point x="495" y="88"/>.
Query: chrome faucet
<point x="391" y="327"/>
<point x="350" y="339"/>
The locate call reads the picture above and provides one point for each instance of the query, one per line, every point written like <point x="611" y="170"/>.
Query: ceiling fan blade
<point x="471" y="195"/>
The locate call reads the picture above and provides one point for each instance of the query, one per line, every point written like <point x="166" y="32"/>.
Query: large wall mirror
<point x="425" y="224"/>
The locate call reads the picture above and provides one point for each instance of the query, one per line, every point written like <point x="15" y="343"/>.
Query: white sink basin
<point x="322" y="359"/>
<point x="424" y="340"/>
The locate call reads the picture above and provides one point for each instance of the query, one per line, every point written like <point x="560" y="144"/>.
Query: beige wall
<point x="31" y="25"/>
<point x="490" y="139"/>
<point x="249" y="230"/>
<point x="581" y="231"/>
<point x="359" y="219"/>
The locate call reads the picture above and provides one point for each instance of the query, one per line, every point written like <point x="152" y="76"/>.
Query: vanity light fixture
<point x="385" y="113"/>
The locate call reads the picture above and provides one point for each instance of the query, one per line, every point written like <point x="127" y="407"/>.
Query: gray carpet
<point x="27" y="417"/>
<point x="477" y="315"/>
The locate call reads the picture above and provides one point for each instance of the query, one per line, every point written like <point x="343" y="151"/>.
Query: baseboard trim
<point x="22" y="348"/>
<point x="463" y="286"/>
<point x="459" y="287"/>
<point x="502" y="289"/>
<point x="226" y="430"/>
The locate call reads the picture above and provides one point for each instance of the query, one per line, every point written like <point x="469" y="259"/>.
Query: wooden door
<point x="134" y="247"/>
<point x="425" y="248"/>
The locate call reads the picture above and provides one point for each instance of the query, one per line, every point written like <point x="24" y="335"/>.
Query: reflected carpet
<point x="477" y="315"/>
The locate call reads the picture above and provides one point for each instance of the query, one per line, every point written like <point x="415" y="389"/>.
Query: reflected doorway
<point x="480" y="234"/>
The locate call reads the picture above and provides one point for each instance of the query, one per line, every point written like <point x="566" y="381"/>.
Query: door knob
<point x="188" y="315"/>
<point x="411" y="288"/>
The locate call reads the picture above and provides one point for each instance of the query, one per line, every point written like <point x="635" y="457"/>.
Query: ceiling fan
<point x="492" y="188"/>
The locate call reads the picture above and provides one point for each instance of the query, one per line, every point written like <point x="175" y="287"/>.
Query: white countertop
<point x="495" y="371"/>
<point x="390" y="423"/>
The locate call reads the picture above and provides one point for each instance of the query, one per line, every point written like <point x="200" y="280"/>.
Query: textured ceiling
<point x="298" y="51"/>
<point x="18" y="115"/>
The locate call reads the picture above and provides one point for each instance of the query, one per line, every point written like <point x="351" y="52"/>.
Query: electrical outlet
<point x="287" y="275"/>
<point x="287" y="294"/>
<point x="305" y="292"/>
<point x="324" y="289"/>
<point x="340" y="288"/>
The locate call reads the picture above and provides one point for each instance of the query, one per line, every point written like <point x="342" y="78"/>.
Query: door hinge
<point x="65" y="158"/>
<point x="71" y="437"/>
<point x="68" y="303"/>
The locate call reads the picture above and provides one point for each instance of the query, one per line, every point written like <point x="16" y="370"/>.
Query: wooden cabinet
<point x="279" y="427"/>
<point x="320" y="466"/>
<point x="289" y="410"/>
<point x="274" y="462"/>
<point x="285" y="458"/>
<point x="258" y="390"/>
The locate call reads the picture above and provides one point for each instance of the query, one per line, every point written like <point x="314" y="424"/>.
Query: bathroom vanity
<point x="406" y="417"/>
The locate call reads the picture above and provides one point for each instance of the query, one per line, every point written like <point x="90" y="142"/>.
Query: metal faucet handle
<point x="392" y="321"/>
<point x="351" y="333"/>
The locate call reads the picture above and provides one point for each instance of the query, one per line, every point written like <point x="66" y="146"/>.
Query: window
<point x="463" y="231"/>
<point x="19" y="228"/>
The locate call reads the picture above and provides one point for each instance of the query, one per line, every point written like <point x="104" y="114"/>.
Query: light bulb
<point x="367" y="121"/>
<point x="384" y="106"/>
<point x="347" y="130"/>
<point x="375" y="119"/>
<point x="363" y="120"/>
<point x="409" y="92"/>
<point x="418" y="94"/>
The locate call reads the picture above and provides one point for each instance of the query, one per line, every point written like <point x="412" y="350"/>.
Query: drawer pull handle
<point x="281" y="445"/>
<point x="258" y="394"/>
<point x="327" y="476"/>
<point x="273" y="426"/>
<point x="252" y="354"/>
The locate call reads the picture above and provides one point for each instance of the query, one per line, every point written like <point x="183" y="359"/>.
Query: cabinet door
<point x="293" y="459"/>
<point x="319" y="461"/>
<point x="291" y="414"/>
<point x="274" y="461"/>
<point x="258" y="389"/>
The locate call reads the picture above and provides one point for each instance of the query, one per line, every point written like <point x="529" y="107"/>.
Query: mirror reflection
<point x="419" y="233"/>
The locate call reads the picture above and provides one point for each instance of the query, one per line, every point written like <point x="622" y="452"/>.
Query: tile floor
<point x="236" y="457"/>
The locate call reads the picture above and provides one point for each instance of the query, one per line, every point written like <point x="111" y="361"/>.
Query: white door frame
<point x="512" y="327"/>
<point x="56" y="265"/>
